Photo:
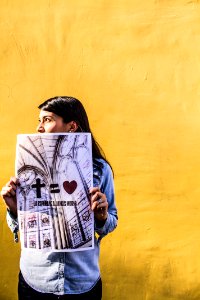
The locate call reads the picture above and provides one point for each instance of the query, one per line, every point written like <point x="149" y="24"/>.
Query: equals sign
<point x="54" y="188"/>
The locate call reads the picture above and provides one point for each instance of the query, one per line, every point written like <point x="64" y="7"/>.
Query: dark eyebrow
<point x="47" y="117"/>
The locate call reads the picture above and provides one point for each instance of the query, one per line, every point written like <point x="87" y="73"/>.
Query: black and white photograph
<point x="55" y="174"/>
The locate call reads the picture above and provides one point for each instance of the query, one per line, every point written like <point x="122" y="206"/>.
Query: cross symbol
<point x="38" y="187"/>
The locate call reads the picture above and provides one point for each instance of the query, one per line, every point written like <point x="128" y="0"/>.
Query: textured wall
<point x="135" y="66"/>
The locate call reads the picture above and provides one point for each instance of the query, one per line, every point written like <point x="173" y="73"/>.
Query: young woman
<point x="66" y="275"/>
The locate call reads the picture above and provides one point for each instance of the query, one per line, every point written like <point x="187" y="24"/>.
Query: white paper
<point x="55" y="174"/>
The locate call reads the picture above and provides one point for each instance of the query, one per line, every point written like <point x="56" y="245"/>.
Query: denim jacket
<point x="70" y="272"/>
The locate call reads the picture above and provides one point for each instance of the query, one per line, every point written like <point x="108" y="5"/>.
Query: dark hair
<point x="71" y="109"/>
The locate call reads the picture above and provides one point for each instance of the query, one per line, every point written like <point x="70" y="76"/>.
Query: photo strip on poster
<point x="55" y="174"/>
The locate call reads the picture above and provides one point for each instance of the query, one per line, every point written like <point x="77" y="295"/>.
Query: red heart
<point x="70" y="186"/>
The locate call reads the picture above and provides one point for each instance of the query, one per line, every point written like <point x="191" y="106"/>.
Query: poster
<point x="55" y="175"/>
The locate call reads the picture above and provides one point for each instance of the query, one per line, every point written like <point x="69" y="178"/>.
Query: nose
<point x="40" y="128"/>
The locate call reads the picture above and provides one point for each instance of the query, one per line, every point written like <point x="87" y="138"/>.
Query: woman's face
<point x="50" y="122"/>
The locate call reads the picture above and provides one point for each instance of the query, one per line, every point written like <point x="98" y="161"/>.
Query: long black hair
<point x="71" y="109"/>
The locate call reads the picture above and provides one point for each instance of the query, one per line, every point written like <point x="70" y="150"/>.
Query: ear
<point x="73" y="126"/>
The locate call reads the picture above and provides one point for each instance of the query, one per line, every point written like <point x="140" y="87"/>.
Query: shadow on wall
<point x="127" y="272"/>
<point x="145" y="281"/>
<point x="9" y="275"/>
<point x="127" y="282"/>
<point x="9" y="262"/>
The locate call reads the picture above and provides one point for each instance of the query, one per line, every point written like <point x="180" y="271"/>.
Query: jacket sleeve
<point x="107" y="187"/>
<point x="13" y="224"/>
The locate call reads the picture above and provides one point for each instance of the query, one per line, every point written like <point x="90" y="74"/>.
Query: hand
<point x="8" y="193"/>
<point x="99" y="204"/>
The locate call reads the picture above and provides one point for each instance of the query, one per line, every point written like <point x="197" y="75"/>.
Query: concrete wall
<point x="136" y="67"/>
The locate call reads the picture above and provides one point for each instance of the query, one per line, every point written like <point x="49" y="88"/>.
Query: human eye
<point x="47" y="119"/>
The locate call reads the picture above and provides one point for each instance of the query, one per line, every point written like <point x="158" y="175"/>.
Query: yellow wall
<point x="136" y="67"/>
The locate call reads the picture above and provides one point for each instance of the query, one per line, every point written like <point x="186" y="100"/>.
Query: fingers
<point x="9" y="190"/>
<point x="8" y="194"/>
<point x="97" y="199"/>
<point x="99" y="203"/>
<point x="93" y="190"/>
<point x="13" y="182"/>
